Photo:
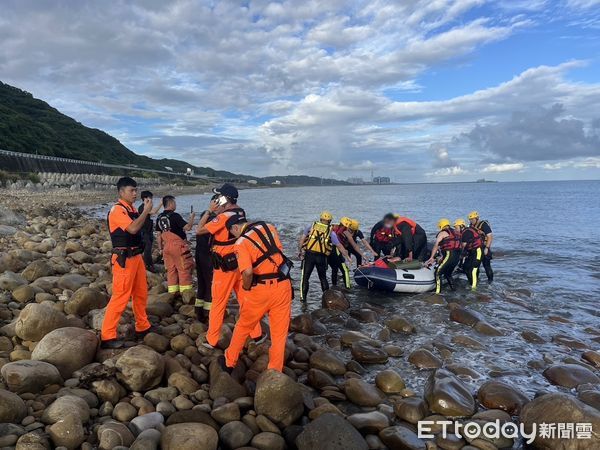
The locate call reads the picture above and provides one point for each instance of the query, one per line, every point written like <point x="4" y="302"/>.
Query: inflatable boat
<point x="410" y="278"/>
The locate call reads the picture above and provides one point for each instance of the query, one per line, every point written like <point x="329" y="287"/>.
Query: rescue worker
<point x="148" y="230"/>
<point x="336" y="260"/>
<point x="265" y="279"/>
<point x="359" y="238"/>
<point x="204" y="271"/>
<point x="485" y="231"/>
<point x="449" y="245"/>
<point x="226" y="277"/>
<point x="172" y="241"/>
<point x="316" y="244"/>
<point x="410" y="239"/>
<point x="472" y="251"/>
<point x="128" y="268"/>
<point x="382" y="236"/>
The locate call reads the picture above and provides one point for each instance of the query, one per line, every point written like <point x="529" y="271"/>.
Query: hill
<point x="30" y="125"/>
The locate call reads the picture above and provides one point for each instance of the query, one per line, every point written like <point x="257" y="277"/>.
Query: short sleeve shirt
<point x="177" y="224"/>
<point x="247" y="253"/>
<point x="485" y="228"/>
<point x="217" y="227"/>
<point x="118" y="216"/>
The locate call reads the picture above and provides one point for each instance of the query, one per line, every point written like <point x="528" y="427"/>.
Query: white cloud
<point x="585" y="163"/>
<point x="506" y="167"/>
<point x="448" y="172"/>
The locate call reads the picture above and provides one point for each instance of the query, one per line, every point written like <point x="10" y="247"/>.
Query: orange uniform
<point x="271" y="294"/>
<point x="129" y="282"/>
<point x="225" y="279"/>
<point x="179" y="263"/>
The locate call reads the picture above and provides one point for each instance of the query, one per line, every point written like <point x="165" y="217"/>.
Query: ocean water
<point x="546" y="263"/>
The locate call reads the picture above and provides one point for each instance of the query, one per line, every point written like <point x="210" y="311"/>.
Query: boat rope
<point x="369" y="281"/>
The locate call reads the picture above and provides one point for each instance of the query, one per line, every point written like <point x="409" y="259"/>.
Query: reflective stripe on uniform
<point x="207" y="306"/>
<point x="438" y="280"/>
<point x="475" y="272"/>
<point x="199" y="303"/>
<point x="186" y="287"/>
<point x="173" y="289"/>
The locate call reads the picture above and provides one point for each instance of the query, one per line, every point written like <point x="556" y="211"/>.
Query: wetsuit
<point x="357" y="236"/>
<point x="147" y="233"/>
<point x="204" y="271"/>
<point x="407" y="242"/>
<point x="484" y="229"/>
<point x="473" y="253"/>
<point x="450" y="255"/>
<point x="382" y="239"/>
<point x="336" y="261"/>
<point x="317" y="248"/>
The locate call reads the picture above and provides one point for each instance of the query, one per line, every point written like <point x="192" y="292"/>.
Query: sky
<point x="417" y="90"/>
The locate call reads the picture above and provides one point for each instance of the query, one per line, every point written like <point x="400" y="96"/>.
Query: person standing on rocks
<point x="485" y="231"/>
<point x="128" y="268"/>
<point x="204" y="270"/>
<point x="148" y="230"/>
<point x="172" y="240"/>
<point x="472" y="251"/>
<point x="264" y="270"/>
<point x="447" y="242"/>
<point x="226" y="277"/>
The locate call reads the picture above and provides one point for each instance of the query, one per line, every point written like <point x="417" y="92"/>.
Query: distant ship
<point x="483" y="180"/>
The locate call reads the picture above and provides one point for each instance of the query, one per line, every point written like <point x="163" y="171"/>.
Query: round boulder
<point x="446" y="394"/>
<point x="189" y="436"/>
<point x="335" y="299"/>
<point x="12" y="407"/>
<point x="84" y="300"/>
<point x="140" y="368"/>
<point x="279" y="398"/>
<point x="30" y="376"/>
<point x="36" y="320"/>
<point x="331" y="432"/>
<point x="499" y="395"/>
<point x="570" y="375"/>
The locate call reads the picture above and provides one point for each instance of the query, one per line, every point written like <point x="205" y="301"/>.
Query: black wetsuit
<point x="147" y="238"/>
<point x="311" y="261"/>
<point x="407" y="242"/>
<point x="485" y="229"/>
<point x="473" y="254"/>
<point x="204" y="271"/>
<point x="357" y="236"/>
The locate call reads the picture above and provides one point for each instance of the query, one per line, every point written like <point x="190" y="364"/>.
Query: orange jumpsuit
<point x="272" y="297"/>
<point x="129" y="282"/>
<point x="223" y="282"/>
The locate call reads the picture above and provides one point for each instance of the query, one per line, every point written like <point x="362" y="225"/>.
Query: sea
<point x="546" y="264"/>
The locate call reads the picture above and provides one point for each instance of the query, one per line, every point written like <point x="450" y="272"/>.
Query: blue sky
<point x="445" y="90"/>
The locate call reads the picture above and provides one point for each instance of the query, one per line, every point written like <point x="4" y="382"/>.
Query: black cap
<point x="235" y="219"/>
<point x="228" y="190"/>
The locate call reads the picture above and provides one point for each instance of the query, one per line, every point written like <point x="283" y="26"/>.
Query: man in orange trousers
<point x="129" y="270"/>
<point x="265" y="279"/>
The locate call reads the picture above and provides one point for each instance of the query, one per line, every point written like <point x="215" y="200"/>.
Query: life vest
<point x="259" y="233"/>
<point x="340" y="231"/>
<point x="479" y="227"/>
<point x="319" y="239"/>
<point x="230" y="213"/>
<point x="411" y="223"/>
<point x="384" y="235"/>
<point x="450" y="242"/>
<point x="477" y="242"/>
<point x="163" y="221"/>
<point x="121" y="238"/>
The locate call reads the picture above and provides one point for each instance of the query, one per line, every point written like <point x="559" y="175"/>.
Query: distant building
<point x="189" y="172"/>
<point x="276" y="182"/>
<point x="252" y="182"/>
<point x="170" y="169"/>
<point x="381" y="180"/>
<point x="355" y="180"/>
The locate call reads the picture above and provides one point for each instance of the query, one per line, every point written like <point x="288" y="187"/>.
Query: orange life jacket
<point x="411" y="223"/>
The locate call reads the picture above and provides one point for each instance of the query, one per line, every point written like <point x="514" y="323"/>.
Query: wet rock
<point x="235" y="434"/>
<point x="411" y="409"/>
<point x="568" y="341"/>
<point x="140" y="368"/>
<point x="366" y="315"/>
<point x="365" y="353"/>
<point x="389" y="381"/>
<point x="561" y="408"/>
<point x="570" y="375"/>
<point x="36" y="320"/>
<point x="393" y="351"/>
<point x="67" y="432"/>
<point x="485" y="328"/>
<point x="532" y="337"/>
<point x="466" y="341"/>
<point x="399" y="324"/>
<point x="68" y="349"/>
<point x="591" y="398"/>
<point x="401" y="437"/>
<point x="319" y="379"/>
<point x="84" y="300"/>
<point x="330" y="432"/>
<point x="12" y="407"/>
<point x="268" y="441"/>
<point x="303" y="323"/>
<point x="447" y="395"/>
<point x="192" y="416"/>
<point x="328" y="361"/>
<point x="72" y="281"/>
<point x="424" y="359"/>
<point x="499" y="395"/>
<point x="465" y="316"/>
<point x="326" y="408"/>
<point x="183" y="383"/>
<point x="114" y="434"/>
<point x="189" y="436"/>
<point x="592" y="357"/>
<point x="69" y="404"/>
<point x="279" y="398"/>
<point x="370" y="422"/>
<point x="349" y="338"/>
<point x="362" y="393"/>
<point x="335" y="299"/>
<point x="463" y="371"/>
<point x="30" y="376"/>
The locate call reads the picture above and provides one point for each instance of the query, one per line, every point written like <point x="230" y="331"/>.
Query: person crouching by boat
<point x="447" y="242"/>
<point x="315" y="246"/>
<point x="382" y="236"/>
<point x="172" y="240"/>
<point x="358" y="238"/>
<point x="204" y="270"/>
<point x="337" y="260"/>
<point x="266" y="281"/>
<point x="485" y="231"/>
<point x="472" y="251"/>
<point x="410" y="238"/>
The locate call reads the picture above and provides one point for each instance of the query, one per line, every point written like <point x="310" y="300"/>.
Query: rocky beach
<point x="343" y="387"/>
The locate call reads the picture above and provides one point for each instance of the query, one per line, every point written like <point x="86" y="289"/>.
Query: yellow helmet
<point x="326" y="215"/>
<point x="354" y="225"/>
<point x="473" y="215"/>
<point x="460" y="223"/>
<point x="346" y="222"/>
<point x="443" y="223"/>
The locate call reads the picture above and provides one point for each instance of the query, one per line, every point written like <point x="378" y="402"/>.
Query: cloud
<point x="448" y="172"/>
<point x="441" y="157"/>
<point x="585" y="163"/>
<point x="506" y="167"/>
